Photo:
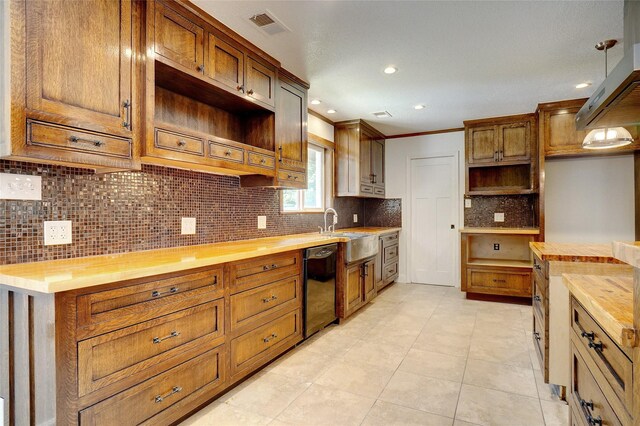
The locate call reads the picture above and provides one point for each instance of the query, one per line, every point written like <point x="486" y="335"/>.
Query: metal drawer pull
<point x="499" y="281"/>
<point x="536" y="335"/>
<point x="228" y="153"/>
<point x="181" y="142"/>
<point x="161" y="339"/>
<point x="250" y="92"/>
<point x="537" y="298"/>
<point x="588" y="405"/>
<point x="596" y="346"/>
<point x="269" y="338"/>
<point x="76" y="139"/>
<point x="263" y="161"/>
<point x="536" y="266"/>
<point x="269" y="299"/>
<point x="160" y="398"/>
<point x="157" y="293"/>
<point x="127" y="121"/>
<point x="240" y="89"/>
<point x="589" y="336"/>
<point x="594" y="421"/>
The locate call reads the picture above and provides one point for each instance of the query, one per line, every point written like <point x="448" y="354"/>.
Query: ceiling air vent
<point x="382" y="114"/>
<point x="268" y="23"/>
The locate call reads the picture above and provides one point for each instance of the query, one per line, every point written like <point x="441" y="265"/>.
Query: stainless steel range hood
<point x="616" y="102"/>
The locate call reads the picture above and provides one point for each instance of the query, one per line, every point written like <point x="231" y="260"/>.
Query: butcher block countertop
<point x="371" y="230"/>
<point x="69" y="274"/>
<point x="569" y="252"/>
<point x="520" y="231"/>
<point x="609" y="300"/>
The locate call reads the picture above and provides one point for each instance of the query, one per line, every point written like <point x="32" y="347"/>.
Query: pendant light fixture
<point x="608" y="137"/>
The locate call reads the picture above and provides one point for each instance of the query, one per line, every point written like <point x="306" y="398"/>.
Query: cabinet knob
<point x="181" y="142"/>
<point x="263" y="161"/>
<point x="201" y="68"/>
<point x="228" y="153"/>
<point x="536" y="335"/>
<point x="250" y="92"/>
<point x="537" y="298"/>
<point x="240" y="89"/>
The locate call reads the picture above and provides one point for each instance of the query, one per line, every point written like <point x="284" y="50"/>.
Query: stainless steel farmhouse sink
<point x="359" y="246"/>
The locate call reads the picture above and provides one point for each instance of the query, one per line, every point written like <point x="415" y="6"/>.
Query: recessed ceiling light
<point x="420" y="106"/>
<point x="331" y="111"/>
<point x="390" y="70"/>
<point x="315" y="102"/>
<point x="582" y="85"/>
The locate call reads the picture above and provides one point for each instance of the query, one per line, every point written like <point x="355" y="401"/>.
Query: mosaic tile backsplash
<point x="518" y="211"/>
<point x="129" y="211"/>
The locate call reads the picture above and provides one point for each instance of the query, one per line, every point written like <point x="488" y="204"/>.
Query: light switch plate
<point x="498" y="217"/>
<point x="467" y="203"/>
<point x="188" y="226"/>
<point x="20" y="187"/>
<point x="57" y="232"/>
<point x="355" y="218"/>
<point x="262" y="222"/>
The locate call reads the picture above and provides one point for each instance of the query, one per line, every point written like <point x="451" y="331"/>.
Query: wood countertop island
<point x="571" y="252"/>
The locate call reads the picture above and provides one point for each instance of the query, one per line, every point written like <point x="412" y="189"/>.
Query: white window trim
<point x="327" y="184"/>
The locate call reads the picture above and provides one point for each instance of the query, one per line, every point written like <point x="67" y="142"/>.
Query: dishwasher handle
<point x="322" y="252"/>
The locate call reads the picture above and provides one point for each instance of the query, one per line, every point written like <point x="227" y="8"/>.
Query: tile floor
<point x="417" y="355"/>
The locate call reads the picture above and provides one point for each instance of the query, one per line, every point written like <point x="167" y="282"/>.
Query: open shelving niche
<point x="513" y="250"/>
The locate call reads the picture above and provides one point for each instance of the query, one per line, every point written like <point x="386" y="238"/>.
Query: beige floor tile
<point x="455" y="423"/>
<point x="386" y="414"/>
<point x="503" y="377"/>
<point x="433" y="341"/>
<point x="391" y="335"/>
<point x="491" y="407"/>
<point x="302" y="364"/>
<point x="225" y="415"/>
<point x="269" y="395"/>
<point x="555" y="413"/>
<point x="333" y="343"/>
<point x="451" y="327"/>
<point x="496" y="349"/>
<point x="422" y="393"/>
<point x="384" y="356"/>
<point x="358" y="378"/>
<point x="320" y="405"/>
<point x="433" y="364"/>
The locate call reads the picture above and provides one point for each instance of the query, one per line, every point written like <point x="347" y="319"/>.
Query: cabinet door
<point x="224" y="63"/>
<point x="354" y="287"/>
<point x="482" y="143"/>
<point x="369" y="281"/>
<point x="79" y="62"/>
<point x="260" y="82"/>
<point x="291" y="127"/>
<point x="178" y="39"/>
<point x="378" y="265"/>
<point x="515" y="141"/>
<point x="366" y="174"/>
<point x="377" y="162"/>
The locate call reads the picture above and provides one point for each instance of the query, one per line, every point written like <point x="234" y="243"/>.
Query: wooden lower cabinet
<point x="356" y="287"/>
<point x="152" y="350"/>
<point x="504" y="282"/>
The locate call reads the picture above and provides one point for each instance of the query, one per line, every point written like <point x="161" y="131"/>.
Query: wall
<point x="589" y="200"/>
<point x="398" y="153"/>
<point x="519" y="211"/>
<point x="320" y="128"/>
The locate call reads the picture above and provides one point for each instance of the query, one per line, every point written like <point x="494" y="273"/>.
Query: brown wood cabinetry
<point x="387" y="260"/>
<point x="501" y="155"/>
<point x="558" y="134"/>
<point x="497" y="263"/>
<point x="224" y="63"/>
<point x="75" y="100"/>
<point x="359" y="286"/>
<point x="360" y="160"/>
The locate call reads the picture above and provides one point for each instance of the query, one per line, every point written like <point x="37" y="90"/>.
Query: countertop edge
<point x="554" y="257"/>
<point x="518" y="231"/>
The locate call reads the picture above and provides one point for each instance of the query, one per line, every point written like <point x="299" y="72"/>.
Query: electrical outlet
<point x="496" y="246"/>
<point x="262" y="222"/>
<point x="467" y="203"/>
<point x="20" y="187"/>
<point x="57" y="232"/>
<point x="188" y="226"/>
<point x="498" y="217"/>
<point x="355" y="218"/>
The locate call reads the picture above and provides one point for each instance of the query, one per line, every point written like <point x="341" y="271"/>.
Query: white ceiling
<point x="463" y="59"/>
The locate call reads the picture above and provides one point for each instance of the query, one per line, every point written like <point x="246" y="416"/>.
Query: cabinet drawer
<point x="378" y="191"/>
<point x="256" y="346"/>
<point x="612" y="362"/>
<point x="220" y="151"/>
<point x="390" y="254"/>
<point x="67" y="138"/>
<point x="390" y="271"/>
<point x="179" y="143"/>
<point x="540" y="343"/>
<point x="366" y="189"/>
<point x="289" y="176"/>
<point x="587" y="400"/>
<point x="262" y="160"/>
<point x="253" y="273"/>
<point x="116" y="356"/>
<point x="540" y="267"/>
<point x="539" y="298"/>
<point x="109" y="310"/>
<point x="389" y="239"/>
<point x="499" y="282"/>
<point x="142" y="402"/>
<point x="251" y="305"/>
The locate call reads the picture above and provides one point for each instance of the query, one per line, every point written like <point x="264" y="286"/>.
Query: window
<point x="312" y="198"/>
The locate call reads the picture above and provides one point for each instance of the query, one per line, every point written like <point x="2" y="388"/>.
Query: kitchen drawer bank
<point x="157" y="334"/>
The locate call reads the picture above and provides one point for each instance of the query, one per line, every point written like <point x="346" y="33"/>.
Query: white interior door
<point x="433" y="220"/>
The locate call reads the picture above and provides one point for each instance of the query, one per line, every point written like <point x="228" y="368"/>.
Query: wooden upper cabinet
<point x="79" y="62"/>
<point x="224" y="63"/>
<point x="377" y="162"/>
<point x="260" y="82"/>
<point x="499" y="142"/>
<point x="366" y="175"/>
<point x="178" y="38"/>
<point x="291" y="126"/>
<point x="558" y="134"/>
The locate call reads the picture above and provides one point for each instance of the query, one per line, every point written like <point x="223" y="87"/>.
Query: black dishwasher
<point x="319" y="288"/>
